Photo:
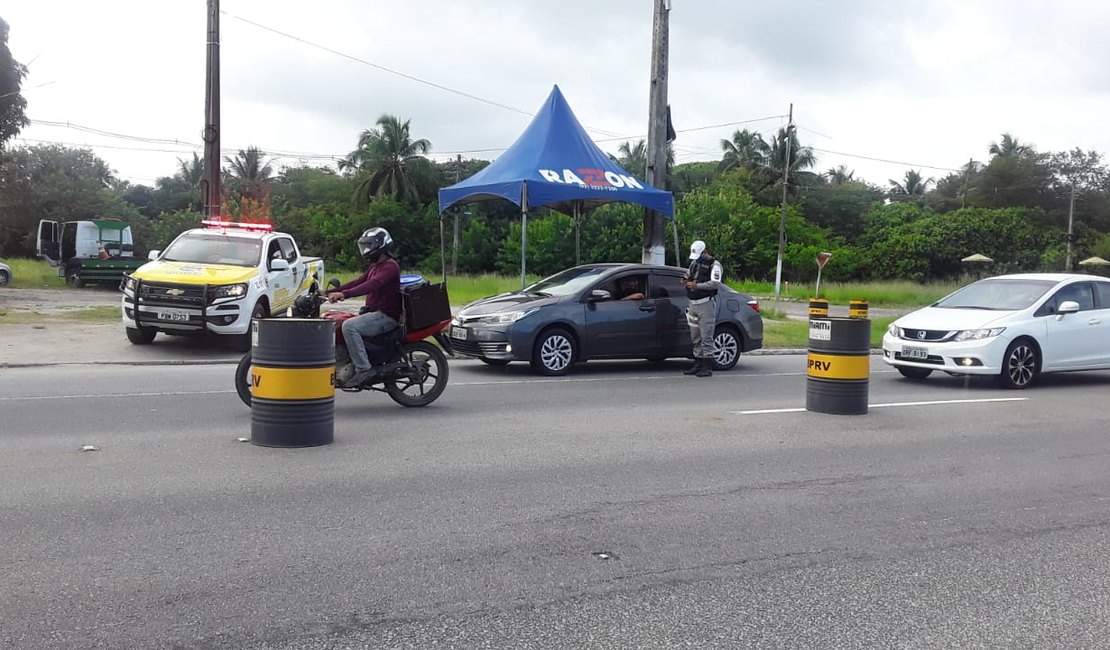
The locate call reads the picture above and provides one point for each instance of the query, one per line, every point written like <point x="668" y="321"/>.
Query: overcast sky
<point x="926" y="84"/>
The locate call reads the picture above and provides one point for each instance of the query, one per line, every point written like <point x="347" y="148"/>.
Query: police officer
<point x="702" y="280"/>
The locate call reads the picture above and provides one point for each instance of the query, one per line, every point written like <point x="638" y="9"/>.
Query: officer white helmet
<point x="696" y="249"/>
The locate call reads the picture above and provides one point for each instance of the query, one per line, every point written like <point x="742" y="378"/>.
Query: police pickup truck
<point x="217" y="279"/>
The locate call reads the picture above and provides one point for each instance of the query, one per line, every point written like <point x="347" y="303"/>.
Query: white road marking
<point x="99" y="395"/>
<point x="889" y="404"/>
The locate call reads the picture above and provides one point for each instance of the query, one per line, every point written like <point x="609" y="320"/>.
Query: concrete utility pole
<point x="455" y="242"/>
<point x="1071" y="235"/>
<point x="782" y="219"/>
<point x="210" y="186"/>
<point x="654" y="248"/>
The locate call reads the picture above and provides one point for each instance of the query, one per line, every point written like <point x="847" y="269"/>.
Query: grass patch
<point x="462" y="289"/>
<point x="103" y="314"/>
<point x="893" y="293"/>
<point x="795" y="333"/>
<point x="33" y="274"/>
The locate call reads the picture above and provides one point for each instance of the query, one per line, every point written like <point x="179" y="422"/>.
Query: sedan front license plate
<point x="909" y="352"/>
<point x="458" y="333"/>
<point x="178" y="315"/>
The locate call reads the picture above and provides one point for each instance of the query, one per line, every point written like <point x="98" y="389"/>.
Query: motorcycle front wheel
<point x="243" y="379"/>
<point x="423" y="378"/>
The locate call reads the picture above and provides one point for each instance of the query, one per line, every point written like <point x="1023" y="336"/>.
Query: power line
<point x="884" y="160"/>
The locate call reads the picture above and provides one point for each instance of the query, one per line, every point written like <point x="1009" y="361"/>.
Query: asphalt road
<point x="624" y="506"/>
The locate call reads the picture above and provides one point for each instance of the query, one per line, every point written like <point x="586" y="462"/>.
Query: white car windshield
<point x="567" y="282"/>
<point x="997" y="295"/>
<point x="214" y="249"/>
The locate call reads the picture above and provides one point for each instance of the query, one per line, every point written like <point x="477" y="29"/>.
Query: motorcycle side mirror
<point x="333" y="283"/>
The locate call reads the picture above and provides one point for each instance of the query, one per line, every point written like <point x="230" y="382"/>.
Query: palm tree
<point x="801" y="158"/>
<point x="1010" y="147"/>
<point x="745" y="149"/>
<point x="190" y="172"/>
<point x="633" y="158"/>
<point x="913" y="186"/>
<point x="389" y="162"/>
<point x="250" y="172"/>
<point x="840" y="175"/>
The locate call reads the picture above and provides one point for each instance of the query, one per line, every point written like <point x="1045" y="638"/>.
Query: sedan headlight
<point x="508" y="316"/>
<point x="976" y="335"/>
<point x="893" y="330"/>
<point x="228" y="291"/>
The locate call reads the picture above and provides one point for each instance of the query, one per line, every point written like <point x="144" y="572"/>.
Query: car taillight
<point x="754" y="304"/>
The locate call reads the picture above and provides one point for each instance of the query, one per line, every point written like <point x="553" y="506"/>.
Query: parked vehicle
<point x="1014" y="327"/>
<point x="577" y="315"/>
<point x="97" y="250"/>
<point x="215" y="280"/>
<point x="411" y="370"/>
<point x="5" y="274"/>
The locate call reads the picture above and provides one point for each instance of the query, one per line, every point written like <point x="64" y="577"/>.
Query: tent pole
<point x="577" y="238"/>
<point x="677" y="250"/>
<point x="523" y="231"/>
<point x="442" y="251"/>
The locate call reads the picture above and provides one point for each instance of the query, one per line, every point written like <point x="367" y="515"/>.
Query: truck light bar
<point x="219" y="223"/>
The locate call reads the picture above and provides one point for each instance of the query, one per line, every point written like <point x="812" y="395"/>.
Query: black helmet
<point x="373" y="243"/>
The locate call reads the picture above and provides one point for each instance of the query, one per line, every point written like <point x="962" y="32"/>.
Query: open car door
<point x="48" y="245"/>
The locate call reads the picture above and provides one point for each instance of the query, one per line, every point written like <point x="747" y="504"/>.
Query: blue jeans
<point x="369" y="324"/>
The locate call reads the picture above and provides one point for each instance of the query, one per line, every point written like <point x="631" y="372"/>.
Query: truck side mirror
<point x="153" y="255"/>
<point x="279" y="265"/>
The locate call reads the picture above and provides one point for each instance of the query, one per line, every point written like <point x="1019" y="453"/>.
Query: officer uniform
<point x="701" y="315"/>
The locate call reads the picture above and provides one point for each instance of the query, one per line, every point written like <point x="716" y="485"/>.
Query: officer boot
<point x="694" y="369"/>
<point x="704" y="370"/>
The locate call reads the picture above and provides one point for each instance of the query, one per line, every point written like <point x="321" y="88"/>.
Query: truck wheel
<point x="141" y="336"/>
<point x="242" y="342"/>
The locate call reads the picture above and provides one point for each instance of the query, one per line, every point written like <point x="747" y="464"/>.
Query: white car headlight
<point x="228" y="291"/>
<point x="976" y="335"/>
<point x="508" y="316"/>
<point x="893" y="330"/>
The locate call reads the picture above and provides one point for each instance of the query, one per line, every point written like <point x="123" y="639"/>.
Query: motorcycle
<point x="409" y="368"/>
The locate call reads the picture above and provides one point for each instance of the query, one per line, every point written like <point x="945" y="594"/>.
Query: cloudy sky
<point x="881" y="86"/>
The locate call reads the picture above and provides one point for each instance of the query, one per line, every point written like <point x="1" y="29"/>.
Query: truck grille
<point x="171" y="295"/>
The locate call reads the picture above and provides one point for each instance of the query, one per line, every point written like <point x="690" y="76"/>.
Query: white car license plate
<point x="909" y="352"/>
<point x="173" y="314"/>
<point x="458" y="333"/>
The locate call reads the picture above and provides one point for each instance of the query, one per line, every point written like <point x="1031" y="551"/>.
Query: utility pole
<point x="210" y="186"/>
<point x="967" y="179"/>
<point x="654" y="250"/>
<point x="782" y="219"/>
<point x="1071" y="236"/>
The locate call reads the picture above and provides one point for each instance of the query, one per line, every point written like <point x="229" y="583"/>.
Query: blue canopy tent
<point x="554" y="163"/>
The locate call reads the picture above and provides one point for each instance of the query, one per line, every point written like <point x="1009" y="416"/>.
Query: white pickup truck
<point x="215" y="280"/>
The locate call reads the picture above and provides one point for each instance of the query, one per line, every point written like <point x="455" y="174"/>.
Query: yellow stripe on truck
<point x="829" y="366"/>
<point x="292" y="383"/>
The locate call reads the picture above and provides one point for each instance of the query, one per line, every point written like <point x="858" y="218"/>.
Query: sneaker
<point x="360" y="377"/>
<point x="704" y="372"/>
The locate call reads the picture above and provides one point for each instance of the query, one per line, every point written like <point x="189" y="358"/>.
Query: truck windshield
<point x="214" y="249"/>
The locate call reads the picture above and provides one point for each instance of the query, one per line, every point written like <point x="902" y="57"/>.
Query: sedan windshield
<point x="567" y="282"/>
<point x="997" y="295"/>
<point x="214" y="249"/>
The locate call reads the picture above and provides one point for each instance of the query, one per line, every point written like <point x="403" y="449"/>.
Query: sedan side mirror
<point x="1068" y="307"/>
<point x="599" y="294"/>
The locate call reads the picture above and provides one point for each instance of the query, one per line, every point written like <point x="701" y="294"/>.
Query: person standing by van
<point x="702" y="281"/>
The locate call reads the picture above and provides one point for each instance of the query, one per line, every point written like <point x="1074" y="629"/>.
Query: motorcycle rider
<point x="381" y="284"/>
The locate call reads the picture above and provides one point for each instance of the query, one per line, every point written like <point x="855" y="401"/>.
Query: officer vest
<point x="700" y="271"/>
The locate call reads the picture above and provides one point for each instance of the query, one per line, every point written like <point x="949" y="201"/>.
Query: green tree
<point x="800" y="159"/>
<point x="914" y="185"/>
<point x="633" y="158"/>
<point x="744" y="149"/>
<point x="1010" y="147"/>
<point x="839" y="175"/>
<point x="388" y="162"/>
<point x="249" y="174"/>
<point x="12" y="103"/>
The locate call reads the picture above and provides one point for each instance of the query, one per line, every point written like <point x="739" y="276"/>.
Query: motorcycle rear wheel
<point x="243" y="379"/>
<point x="426" y="380"/>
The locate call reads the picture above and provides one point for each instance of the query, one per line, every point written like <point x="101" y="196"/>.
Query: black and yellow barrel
<point x="818" y="308"/>
<point x="857" y="309"/>
<point x="292" y="382"/>
<point x="838" y="366"/>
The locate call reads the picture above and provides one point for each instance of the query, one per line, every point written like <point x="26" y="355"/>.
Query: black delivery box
<point x="426" y="305"/>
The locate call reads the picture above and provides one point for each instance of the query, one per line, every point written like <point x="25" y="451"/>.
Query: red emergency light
<point x="220" y="223"/>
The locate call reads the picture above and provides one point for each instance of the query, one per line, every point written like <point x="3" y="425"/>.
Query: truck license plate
<point x="909" y="352"/>
<point x="458" y="333"/>
<point x="173" y="314"/>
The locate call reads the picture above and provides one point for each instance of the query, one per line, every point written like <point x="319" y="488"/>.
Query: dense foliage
<point x="1013" y="208"/>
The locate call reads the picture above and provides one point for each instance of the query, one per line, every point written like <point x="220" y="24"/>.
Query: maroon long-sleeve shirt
<point x="381" y="284"/>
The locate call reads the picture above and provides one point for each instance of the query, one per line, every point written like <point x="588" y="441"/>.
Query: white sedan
<point x="1012" y="326"/>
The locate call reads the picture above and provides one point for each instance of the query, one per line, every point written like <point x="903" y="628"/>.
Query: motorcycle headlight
<point x="508" y="316"/>
<point x="976" y="335"/>
<point x="228" y="291"/>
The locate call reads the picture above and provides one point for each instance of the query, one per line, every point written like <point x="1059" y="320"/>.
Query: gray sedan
<point x="5" y="274"/>
<point x="601" y="311"/>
